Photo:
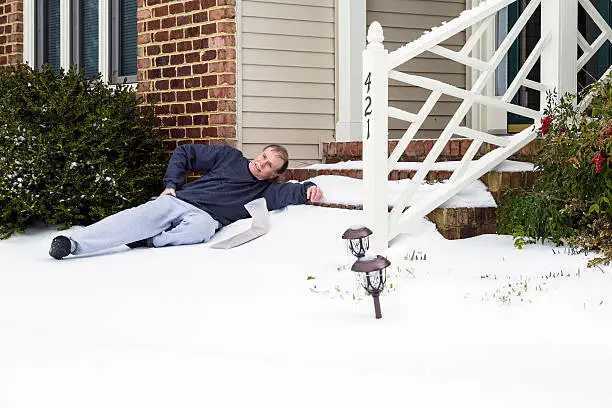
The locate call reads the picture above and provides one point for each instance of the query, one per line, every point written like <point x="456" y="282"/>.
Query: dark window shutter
<point x="89" y="44"/>
<point x="52" y="33"/>
<point x="127" y="38"/>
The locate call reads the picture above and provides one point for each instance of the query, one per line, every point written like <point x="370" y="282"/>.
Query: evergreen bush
<point x="72" y="150"/>
<point x="571" y="201"/>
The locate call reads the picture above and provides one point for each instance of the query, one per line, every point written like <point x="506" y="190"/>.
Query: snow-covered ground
<point x="277" y="323"/>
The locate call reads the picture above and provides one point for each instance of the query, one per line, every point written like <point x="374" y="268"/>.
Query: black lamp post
<point x="373" y="277"/>
<point x="358" y="241"/>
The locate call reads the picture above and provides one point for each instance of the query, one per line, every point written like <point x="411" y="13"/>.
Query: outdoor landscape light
<point x="358" y="241"/>
<point x="373" y="271"/>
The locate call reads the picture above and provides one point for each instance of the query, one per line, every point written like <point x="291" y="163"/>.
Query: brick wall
<point x="418" y="149"/>
<point x="11" y="32"/>
<point x="187" y="67"/>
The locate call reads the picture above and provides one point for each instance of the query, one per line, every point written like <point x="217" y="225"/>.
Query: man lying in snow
<point x="192" y="213"/>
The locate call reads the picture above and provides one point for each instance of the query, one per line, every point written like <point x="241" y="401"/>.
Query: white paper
<point x="261" y="225"/>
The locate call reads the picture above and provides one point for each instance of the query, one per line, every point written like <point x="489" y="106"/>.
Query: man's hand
<point x="168" y="191"/>
<point x="314" y="194"/>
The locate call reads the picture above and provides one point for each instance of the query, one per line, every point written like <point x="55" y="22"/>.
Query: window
<point x="84" y="36"/>
<point x="501" y="73"/>
<point x="599" y="63"/>
<point x="48" y="33"/>
<point x="96" y="36"/>
<point x="123" y="41"/>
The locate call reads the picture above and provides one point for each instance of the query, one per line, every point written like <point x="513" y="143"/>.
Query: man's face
<point x="266" y="165"/>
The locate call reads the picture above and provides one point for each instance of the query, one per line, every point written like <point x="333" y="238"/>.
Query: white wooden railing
<point x="557" y="52"/>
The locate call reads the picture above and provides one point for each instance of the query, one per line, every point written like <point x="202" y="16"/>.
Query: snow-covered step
<point x="467" y="214"/>
<point x="509" y="174"/>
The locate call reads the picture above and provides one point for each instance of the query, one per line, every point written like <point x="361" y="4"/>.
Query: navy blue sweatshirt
<point x="228" y="184"/>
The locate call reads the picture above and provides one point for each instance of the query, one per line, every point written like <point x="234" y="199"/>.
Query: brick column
<point x="11" y="32"/>
<point x="187" y="67"/>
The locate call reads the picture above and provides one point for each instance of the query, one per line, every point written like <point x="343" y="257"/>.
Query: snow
<point x="196" y="327"/>
<point x="349" y="191"/>
<point x="505" y="166"/>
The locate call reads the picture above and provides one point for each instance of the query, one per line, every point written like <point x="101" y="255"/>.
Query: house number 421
<point x="368" y="103"/>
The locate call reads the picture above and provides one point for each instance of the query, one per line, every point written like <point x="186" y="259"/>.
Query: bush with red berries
<point x="571" y="202"/>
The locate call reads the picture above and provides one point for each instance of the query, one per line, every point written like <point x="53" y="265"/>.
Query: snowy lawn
<point x="477" y="323"/>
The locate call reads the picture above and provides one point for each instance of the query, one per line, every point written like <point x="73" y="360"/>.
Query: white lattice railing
<point x="589" y="50"/>
<point x="557" y="52"/>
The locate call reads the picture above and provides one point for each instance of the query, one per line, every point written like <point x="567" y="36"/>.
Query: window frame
<point x="108" y="37"/>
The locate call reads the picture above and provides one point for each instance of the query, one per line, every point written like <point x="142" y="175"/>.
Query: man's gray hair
<point x="282" y="153"/>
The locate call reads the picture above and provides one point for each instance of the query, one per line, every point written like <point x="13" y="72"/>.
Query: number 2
<point x="368" y="109"/>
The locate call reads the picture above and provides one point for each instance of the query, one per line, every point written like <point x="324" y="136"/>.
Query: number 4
<point x="368" y="81"/>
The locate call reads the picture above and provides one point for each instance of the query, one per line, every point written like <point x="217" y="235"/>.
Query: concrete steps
<point x="496" y="181"/>
<point x="343" y="159"/>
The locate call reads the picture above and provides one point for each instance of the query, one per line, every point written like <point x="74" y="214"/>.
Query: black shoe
<point x="143" y="243"/>
<point x="61" y="246"/>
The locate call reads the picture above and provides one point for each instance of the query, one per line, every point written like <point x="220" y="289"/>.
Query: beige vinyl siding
<point x="288" y="76"/>
<point x="402" y="22"/>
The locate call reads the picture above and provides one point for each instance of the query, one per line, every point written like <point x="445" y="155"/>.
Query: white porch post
<point x="375" y="85"/>
<point x="65" y="30"/>
<point x="351" y="42"/>
<point x="29" y="32"/>
<point x="559" y="59"/>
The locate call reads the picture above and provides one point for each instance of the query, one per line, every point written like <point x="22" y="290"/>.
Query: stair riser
<point x="457" y="223"/>
<point x="452" y="223"/>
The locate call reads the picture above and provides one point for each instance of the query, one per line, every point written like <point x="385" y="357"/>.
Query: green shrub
<point x="72" y="150"/>
<point x="571" y="201"/>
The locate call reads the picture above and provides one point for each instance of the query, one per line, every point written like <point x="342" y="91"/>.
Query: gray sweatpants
<point x="167" y="219"/>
